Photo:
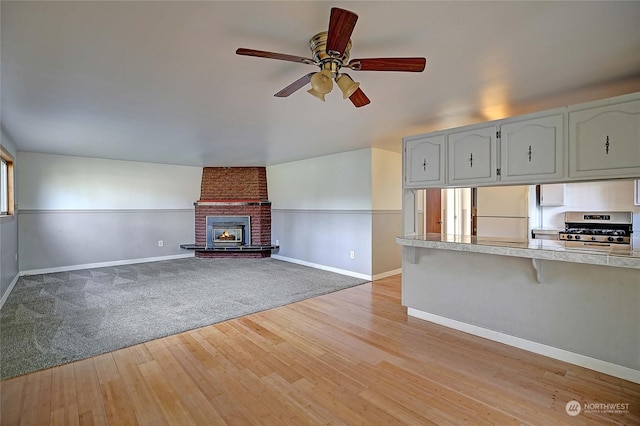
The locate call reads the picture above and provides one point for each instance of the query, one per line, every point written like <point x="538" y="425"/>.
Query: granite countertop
<point x="532" y="249"/>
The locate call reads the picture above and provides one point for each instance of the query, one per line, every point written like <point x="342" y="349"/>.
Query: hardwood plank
<point x="12" y="394"/>
<point x="64" y="406"/>
<point x="118" y="408"/>
<point x="186" y="392"/>
<point x="140" y="396"/>
<point x="37" y="400"/>
<point x="167" y="396"/>
<point x="89" y="396"/>
<point x="350" y="357"/>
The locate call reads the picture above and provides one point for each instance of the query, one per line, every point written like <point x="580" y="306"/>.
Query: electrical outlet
<point x="352" y="254"/>
<point x="160" y="243"/>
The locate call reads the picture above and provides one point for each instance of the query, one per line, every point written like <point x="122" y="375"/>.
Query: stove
<point x="598" y="229"/>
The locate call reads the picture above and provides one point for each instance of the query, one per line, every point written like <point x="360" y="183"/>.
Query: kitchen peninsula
<point x="574" y="304"/>
<point x="577" y="306"/>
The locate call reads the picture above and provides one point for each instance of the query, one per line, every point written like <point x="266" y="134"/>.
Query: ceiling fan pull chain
<point x="529" y="153"/>
<point x="471" y="159"/>
<point x="424" y="164"/>
<point x="606" y="145"/>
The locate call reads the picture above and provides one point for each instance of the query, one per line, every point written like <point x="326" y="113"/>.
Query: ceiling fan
<point x="330" y="50"/>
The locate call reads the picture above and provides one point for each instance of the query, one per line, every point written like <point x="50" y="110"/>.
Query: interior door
<point x="433" y="210"/>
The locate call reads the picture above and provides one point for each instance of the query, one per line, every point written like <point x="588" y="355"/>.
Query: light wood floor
<point x="351" y="357"/>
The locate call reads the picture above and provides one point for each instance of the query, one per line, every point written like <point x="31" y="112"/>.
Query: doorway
<point x="457" y="212"/>
<point x="433" y="211"/>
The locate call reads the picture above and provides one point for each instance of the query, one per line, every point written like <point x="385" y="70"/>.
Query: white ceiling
<point x="160" y="81"/>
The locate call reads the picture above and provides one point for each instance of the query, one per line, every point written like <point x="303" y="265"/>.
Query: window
<point x="6" y="182"/>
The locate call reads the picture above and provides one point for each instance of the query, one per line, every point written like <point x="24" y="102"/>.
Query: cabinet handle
<point x="606" y="146"/>
<point x="471" y="159"/>
<point x="529" y="153"/>
<point x="424" y="164"/>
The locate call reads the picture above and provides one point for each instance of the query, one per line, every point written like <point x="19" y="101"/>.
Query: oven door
<point x="598" y="246"/>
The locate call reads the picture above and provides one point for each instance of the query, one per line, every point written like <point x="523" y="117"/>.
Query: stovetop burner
<point x="598" y="228"/>
<point x="590" y="231"/>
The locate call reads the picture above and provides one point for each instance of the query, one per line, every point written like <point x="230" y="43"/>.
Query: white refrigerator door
<point x="505" y="201"/>
<point x="503" y="228"/>
<point x="503" y="213"/>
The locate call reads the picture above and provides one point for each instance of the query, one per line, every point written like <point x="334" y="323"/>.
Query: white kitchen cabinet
<point x="472" y="155"/>
<point x="636" y="196"/>
<point x="424" y="161"/>
<point x="604" y="138"/>
<point x="552" y="195"/>
<point x="532" y="148"/>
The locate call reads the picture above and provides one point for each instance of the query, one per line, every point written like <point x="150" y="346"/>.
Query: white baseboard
<point x="387" y="274"/>
<point x="527" y="345"/>
<point x="323" y="267"/>
<point x="104" y="264"/>
<point x="6" y="293"/>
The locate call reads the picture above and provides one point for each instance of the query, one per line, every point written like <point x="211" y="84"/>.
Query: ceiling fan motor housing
<point x="318" y="46"/>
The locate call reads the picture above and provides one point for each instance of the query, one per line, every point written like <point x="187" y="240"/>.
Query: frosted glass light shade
<point x="316" y="94"/>
<point x="321" y="82"/>
<point x="347" y="85"/>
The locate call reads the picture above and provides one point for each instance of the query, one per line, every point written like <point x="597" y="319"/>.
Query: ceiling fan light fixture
<point x="331" y="51"/>
<point x="347" y="85"/>
<point x="316" y="94"/>
<point x="321" y="82"/>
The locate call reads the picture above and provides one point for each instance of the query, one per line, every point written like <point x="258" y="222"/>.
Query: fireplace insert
<point x="228" y="235"/>
<point x="225" y="231"/>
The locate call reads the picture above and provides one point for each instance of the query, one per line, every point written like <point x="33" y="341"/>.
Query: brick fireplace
<point x="235" y="195"/>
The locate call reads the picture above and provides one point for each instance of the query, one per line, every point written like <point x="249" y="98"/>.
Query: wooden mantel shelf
<point x="232" y="202"/>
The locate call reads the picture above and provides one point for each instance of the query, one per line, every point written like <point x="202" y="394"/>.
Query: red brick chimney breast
<point x="234" y="183"/>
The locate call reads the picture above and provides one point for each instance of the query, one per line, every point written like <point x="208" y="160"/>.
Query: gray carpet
<point x="52" y="319"/>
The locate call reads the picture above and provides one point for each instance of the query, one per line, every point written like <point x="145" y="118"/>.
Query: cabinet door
<point x="604" y="141"/>
<point x="424" y="161"/>
<point x="472" y="155"/>
<point x="532" y="149"/>
<point x="552" y="195"/>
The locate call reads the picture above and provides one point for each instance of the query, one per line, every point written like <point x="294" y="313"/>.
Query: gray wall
<point x="385" y="253"/>
<point x="324" y="237"/>
<point x="325" y="207"/>
<point x="53" y="239"/>
<point x="8" y="236"/>
<point x="386" y="220"/>
<point x="585" y="309"/>
<point x="82" y="211"/>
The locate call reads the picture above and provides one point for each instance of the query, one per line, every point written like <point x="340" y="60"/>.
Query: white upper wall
<point x="58" y="182"/>
<point x="332" y="182"/>
<point x="608" y="195"/>
<point x="386" y="179"/>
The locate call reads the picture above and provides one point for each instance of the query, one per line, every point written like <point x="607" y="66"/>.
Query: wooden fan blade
<point x="359" y="99"/>
<point x="388" y="64"/>
<point x="301" y="82"/>
<point x="341" y="25"/>
<point x="271" y="55"/>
